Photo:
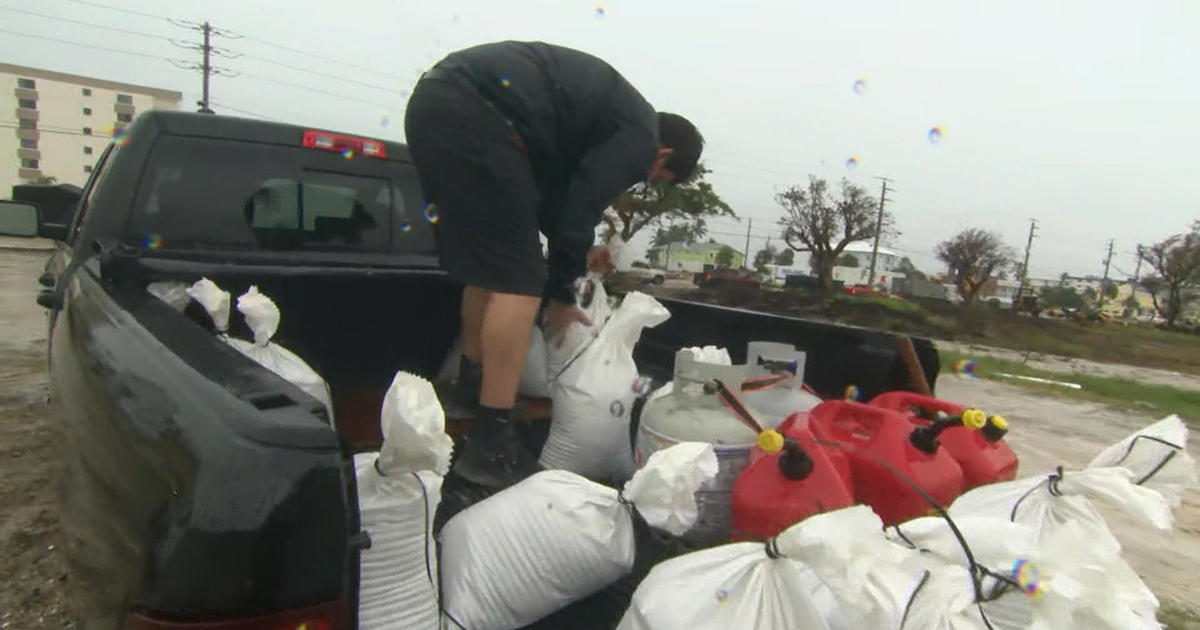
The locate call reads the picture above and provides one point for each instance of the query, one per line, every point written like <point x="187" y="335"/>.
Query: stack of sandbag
<point x="398" y="492"/>
<point x="262" y="317"/>
<point x="557" y="537"/>
<point x="1142" y="475"/>
<point x="593" y="398"/>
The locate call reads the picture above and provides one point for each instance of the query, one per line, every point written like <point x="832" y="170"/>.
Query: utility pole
<point x="1025" y="265"/>
<point x="1137" y="272"/>
<point x="207" y="68"/>
<point x="878" y="229"/>
<point x="746" y="259"/>
<point x="207" y="51"/>
<point x="1104" y="282"/>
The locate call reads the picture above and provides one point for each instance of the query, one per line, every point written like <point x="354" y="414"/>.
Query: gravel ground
<point x="1046" y="432"/>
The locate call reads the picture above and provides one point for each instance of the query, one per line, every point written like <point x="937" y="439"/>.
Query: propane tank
<point x="692" y="412"/>
<point x="781" y="399"/>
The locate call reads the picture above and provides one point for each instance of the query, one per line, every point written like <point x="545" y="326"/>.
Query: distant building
<point x="1002" y="291"/>
<point x="691" y="257"/>
<point x="887" y="263"/>
<point x="63" y="122"/>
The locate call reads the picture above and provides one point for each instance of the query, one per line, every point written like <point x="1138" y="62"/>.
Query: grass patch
<point x="1148" y="398"/>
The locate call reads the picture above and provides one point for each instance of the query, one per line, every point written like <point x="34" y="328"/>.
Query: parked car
<point x="646" y="274"/>
<point x="862" y="289"/>
<point x="198" y="489"/>
<point x="718" y="278"/>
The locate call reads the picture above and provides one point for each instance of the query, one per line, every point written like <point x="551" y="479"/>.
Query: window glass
<point x="28" y="124"/>
<point x="256" y="196"/>
<point x="125" y="117"/>
<point x="87" y="111"/>
<point x="26" y="83"/>
<point x="87" y="131"/>
<point x="87" y="91"/>
<point x="125" y="99"/>
<point x="27" y="163"/>
<point x="27" y="103"/>
<point x="26" y="143"/>
<point x="87" y="150"/>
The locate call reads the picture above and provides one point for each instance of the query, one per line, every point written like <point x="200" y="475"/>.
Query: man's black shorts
<point x="473" y="166"/>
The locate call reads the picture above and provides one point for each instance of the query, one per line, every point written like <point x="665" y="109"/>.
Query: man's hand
<point x="599" y="260"/>
<point x="559" y="316"/>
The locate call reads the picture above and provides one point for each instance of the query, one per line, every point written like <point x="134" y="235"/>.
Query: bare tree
<point x="974" y="256"/>
<point x="814" y="222"/>
<point x="1177" y="261"/>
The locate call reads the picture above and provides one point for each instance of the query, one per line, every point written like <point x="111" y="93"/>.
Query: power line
<point x="120" y="9"/>
<point x="312" y="89"/>
<point x="318" y="73"/>
<point x="246" y="112"/>
<point x="92" y="46"/>
<point x="324" y="58"/>
<point x="82" y="23"/>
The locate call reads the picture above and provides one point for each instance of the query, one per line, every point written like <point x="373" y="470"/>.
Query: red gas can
<point x="983" y="455"/>
<point x="796" y="427"/>
<point x="884" y="458"/>
<point x="792" y="481"/>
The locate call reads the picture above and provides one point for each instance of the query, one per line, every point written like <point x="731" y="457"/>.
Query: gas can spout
<point x="926" y="438"/>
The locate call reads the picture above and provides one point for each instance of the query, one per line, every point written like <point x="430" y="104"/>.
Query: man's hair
<point x="678" y="133"/>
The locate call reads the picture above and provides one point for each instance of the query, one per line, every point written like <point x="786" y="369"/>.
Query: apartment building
<point x="55" y="125"/>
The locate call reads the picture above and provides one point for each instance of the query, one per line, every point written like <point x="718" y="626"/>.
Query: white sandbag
<point x="399" y="490"/>
<point x="592" y="299"/>
<point x="535" y="375"/>
<point x="214" y="300"/>
<point x="829" y="571"/>
<point x="414" y="428"/>
<point x="1047" y="503"/>
<point x="175" y="294"/>
<point x="1158" y="457"/>
<point x="1074" y="584"/>
<point x="556" y="537"/>
<point x="594" y="397"/>
<point x="262" y="316"/>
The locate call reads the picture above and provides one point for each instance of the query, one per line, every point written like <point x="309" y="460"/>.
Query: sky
<point x="1082" y="115"/>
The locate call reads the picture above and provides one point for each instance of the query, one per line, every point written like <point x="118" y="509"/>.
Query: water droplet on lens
<point x="852" y="161"/>
<point x="860" y="86"/>
<point x="405" y="227"/>
<point x="935" y="134"/>
<point x="431" y="213"/>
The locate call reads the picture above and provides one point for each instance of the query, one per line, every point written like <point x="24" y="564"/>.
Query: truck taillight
<point x="349" y="146"/>
<point x="329" y="616"/>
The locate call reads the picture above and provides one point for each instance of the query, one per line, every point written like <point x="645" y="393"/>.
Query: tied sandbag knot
<point x="1052" y="482"/>
<point x="623" y="501"/>
<point x="772" y="548"/>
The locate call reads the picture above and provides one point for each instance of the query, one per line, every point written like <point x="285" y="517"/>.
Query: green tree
<point x="1089" y="295"/>
<point x="689" y="202"/>
<point x="725" y="257"/>
<point x="816" y="222"/>
<point x="1176" y="260"/>
<point x="1060" y="297"/>
<point x="689" y="232"/>
<point x="764" y="257"/>
<point x="787" y="257"/>
<point x="1110" y="289"/>
<point x="973" y="256"/>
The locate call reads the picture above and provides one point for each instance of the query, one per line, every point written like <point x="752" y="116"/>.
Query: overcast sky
<point x="1084" y="115"/>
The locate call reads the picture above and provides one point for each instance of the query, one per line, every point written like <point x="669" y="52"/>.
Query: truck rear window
<point x="201" y="193"/>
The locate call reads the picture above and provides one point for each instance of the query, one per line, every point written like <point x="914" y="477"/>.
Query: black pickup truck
<point x="200" y="491"/>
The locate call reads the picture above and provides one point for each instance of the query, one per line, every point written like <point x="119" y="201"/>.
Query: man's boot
<point x="494" y="455"/>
